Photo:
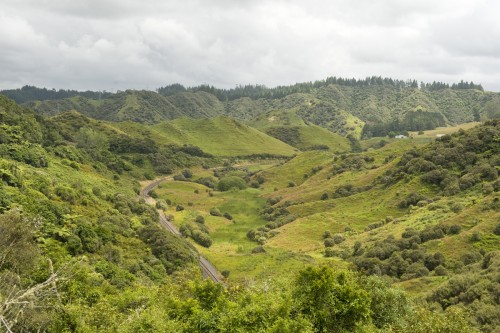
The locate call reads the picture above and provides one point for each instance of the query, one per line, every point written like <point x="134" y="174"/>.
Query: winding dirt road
<point x="209" y="271"/>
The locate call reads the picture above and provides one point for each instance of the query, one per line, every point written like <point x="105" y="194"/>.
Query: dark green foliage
<point x="172" y="252"/>
<point x="258" y="249"/>
<point x="456" y="162"/>
<point x="31" y="93"/>
<point x="229" y="182"/>
<point x="201" y="238"/>
<point x="215" y="212"/>
<point x="290" y="135"/>
<point x="496" y="231"/>
<point x="333" y="302"/>
<point x="411" y="199"/>
<point x="477" y="289"/>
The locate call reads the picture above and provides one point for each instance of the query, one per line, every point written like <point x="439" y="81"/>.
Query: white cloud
<point x="120" y="44"/>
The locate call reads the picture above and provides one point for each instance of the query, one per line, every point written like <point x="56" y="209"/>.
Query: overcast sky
<point x="130" y="44"/>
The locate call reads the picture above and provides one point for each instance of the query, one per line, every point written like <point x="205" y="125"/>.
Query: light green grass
<point x="221" y="136"/>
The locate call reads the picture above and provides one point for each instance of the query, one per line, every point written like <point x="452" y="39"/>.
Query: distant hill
<point x="364" y="108"/>
<point x="139" y="106"/>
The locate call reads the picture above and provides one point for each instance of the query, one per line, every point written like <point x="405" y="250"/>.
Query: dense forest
<point x="260" y="91"/>
<point x="32" y="93"/>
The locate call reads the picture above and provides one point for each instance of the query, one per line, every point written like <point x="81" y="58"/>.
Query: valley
<point x="275" y="191"/>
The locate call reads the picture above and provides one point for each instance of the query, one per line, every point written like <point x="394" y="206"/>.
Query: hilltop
<point x="362" y="108"/>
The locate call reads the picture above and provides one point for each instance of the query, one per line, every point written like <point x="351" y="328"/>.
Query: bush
<point x="329" y="242"/>
<point x="338" y="238"/>
<point x="329" y="252"/>
<point x="229" y="182"/>
<point x="215" y="212"/>
<point x="187" y="173"/>
<point x="496" y="231"/>
<point x="228" y="216"/>
<point x="179" y="208"/>
<point x="454" y="229"/>
<point x="201" y="238"/>
<point x="199" y="219"/>
<point x="411" y="200"/>
<point x="258" y="249"/>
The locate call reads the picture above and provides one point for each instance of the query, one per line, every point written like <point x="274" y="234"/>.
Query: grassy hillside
<point x="221" y="136"/>
<point x="288" y="127"/>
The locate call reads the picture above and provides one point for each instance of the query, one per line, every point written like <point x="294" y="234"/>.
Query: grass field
<point x="231" y="250"/>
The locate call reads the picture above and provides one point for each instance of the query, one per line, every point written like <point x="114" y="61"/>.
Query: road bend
<point x="209" y="271"/>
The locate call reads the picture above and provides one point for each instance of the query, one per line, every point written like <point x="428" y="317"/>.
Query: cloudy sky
<point x="121" y="44"/>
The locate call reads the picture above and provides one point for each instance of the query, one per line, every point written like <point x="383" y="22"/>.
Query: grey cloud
<point x="112" y="44"/>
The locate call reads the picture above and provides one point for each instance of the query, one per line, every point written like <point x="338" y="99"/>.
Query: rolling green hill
<point x="139" y="106"/>
<point x="221" y="136"/>
<point x="288" y="127"/>
<point x="363" y="109"/>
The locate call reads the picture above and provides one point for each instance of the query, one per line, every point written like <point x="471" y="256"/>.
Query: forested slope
<point x="362" y="108"/>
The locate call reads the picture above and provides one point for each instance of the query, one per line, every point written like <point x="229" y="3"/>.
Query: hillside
<point x="290" y="128"/>
<point x="82" y="252"/>
<point x="73" y="233"/>
<point x="364" y="108"/>
<point x="139" y="106"/>
<point x="220" y="136"/>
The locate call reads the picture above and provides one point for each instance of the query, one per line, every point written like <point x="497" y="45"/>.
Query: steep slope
<point x="73" y="232"/>
<point x="139" y="106"/>
<point x="221" y="136"/>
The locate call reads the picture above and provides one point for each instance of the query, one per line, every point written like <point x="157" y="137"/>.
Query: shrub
<point x="496" y="231"/>
<point x="199" y="219"/>
<point x="329" y="252"/>
<point x="454" y="229"/>
<point x="179" y="208"/>
<point x="228" y="216"/>
<point x="258" y="249"/>
<point x="201" y="238"/>
<point x="329" y="242"/>
<point x="338" y="238"/>
<point x="229" y="182"/>
<point x="187" y="173"/>
<point x="411" y="199"/>
<point x="215" y="212"/>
